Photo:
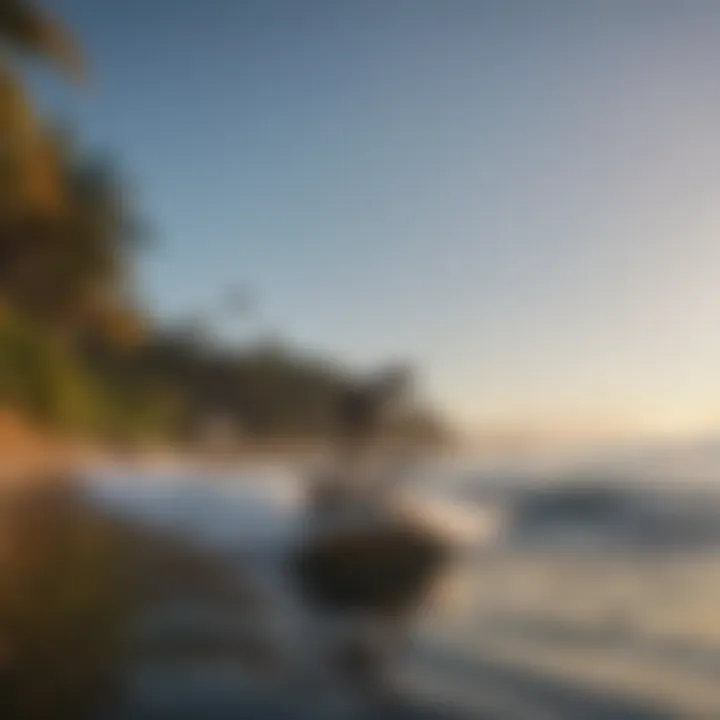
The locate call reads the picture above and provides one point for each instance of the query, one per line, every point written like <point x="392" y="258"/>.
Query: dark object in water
<point x="574" y="504"/>
<point x="383" y="570"/>
<point x="357" y="413"/>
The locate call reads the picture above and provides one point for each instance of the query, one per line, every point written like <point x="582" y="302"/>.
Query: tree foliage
<point x="75" y="350"/>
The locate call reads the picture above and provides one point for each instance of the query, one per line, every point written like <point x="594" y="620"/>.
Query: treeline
<point x="260" y="392"/>
<point x="76" y="353"/>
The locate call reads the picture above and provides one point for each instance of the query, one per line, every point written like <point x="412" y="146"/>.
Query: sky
<point x="520" y="197"/>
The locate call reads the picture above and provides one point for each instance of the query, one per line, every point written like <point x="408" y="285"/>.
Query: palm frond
<point x="27" y="29"/>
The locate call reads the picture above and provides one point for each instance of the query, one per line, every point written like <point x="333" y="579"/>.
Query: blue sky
<point x="522" y="197"/>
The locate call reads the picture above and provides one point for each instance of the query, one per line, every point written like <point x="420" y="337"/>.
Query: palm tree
<point x="66" y="267"/>
<point x="27" y="173"/>
<point x="27" y="30"/>
<point x="36" y="195"/>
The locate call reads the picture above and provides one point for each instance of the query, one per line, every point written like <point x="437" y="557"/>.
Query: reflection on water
<point x="160" y="599"/>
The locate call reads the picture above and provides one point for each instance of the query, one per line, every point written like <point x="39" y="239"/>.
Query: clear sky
<point x="523" y="197"/>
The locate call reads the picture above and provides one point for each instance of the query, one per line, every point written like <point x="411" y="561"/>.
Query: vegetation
<point x="76" y="354"/>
